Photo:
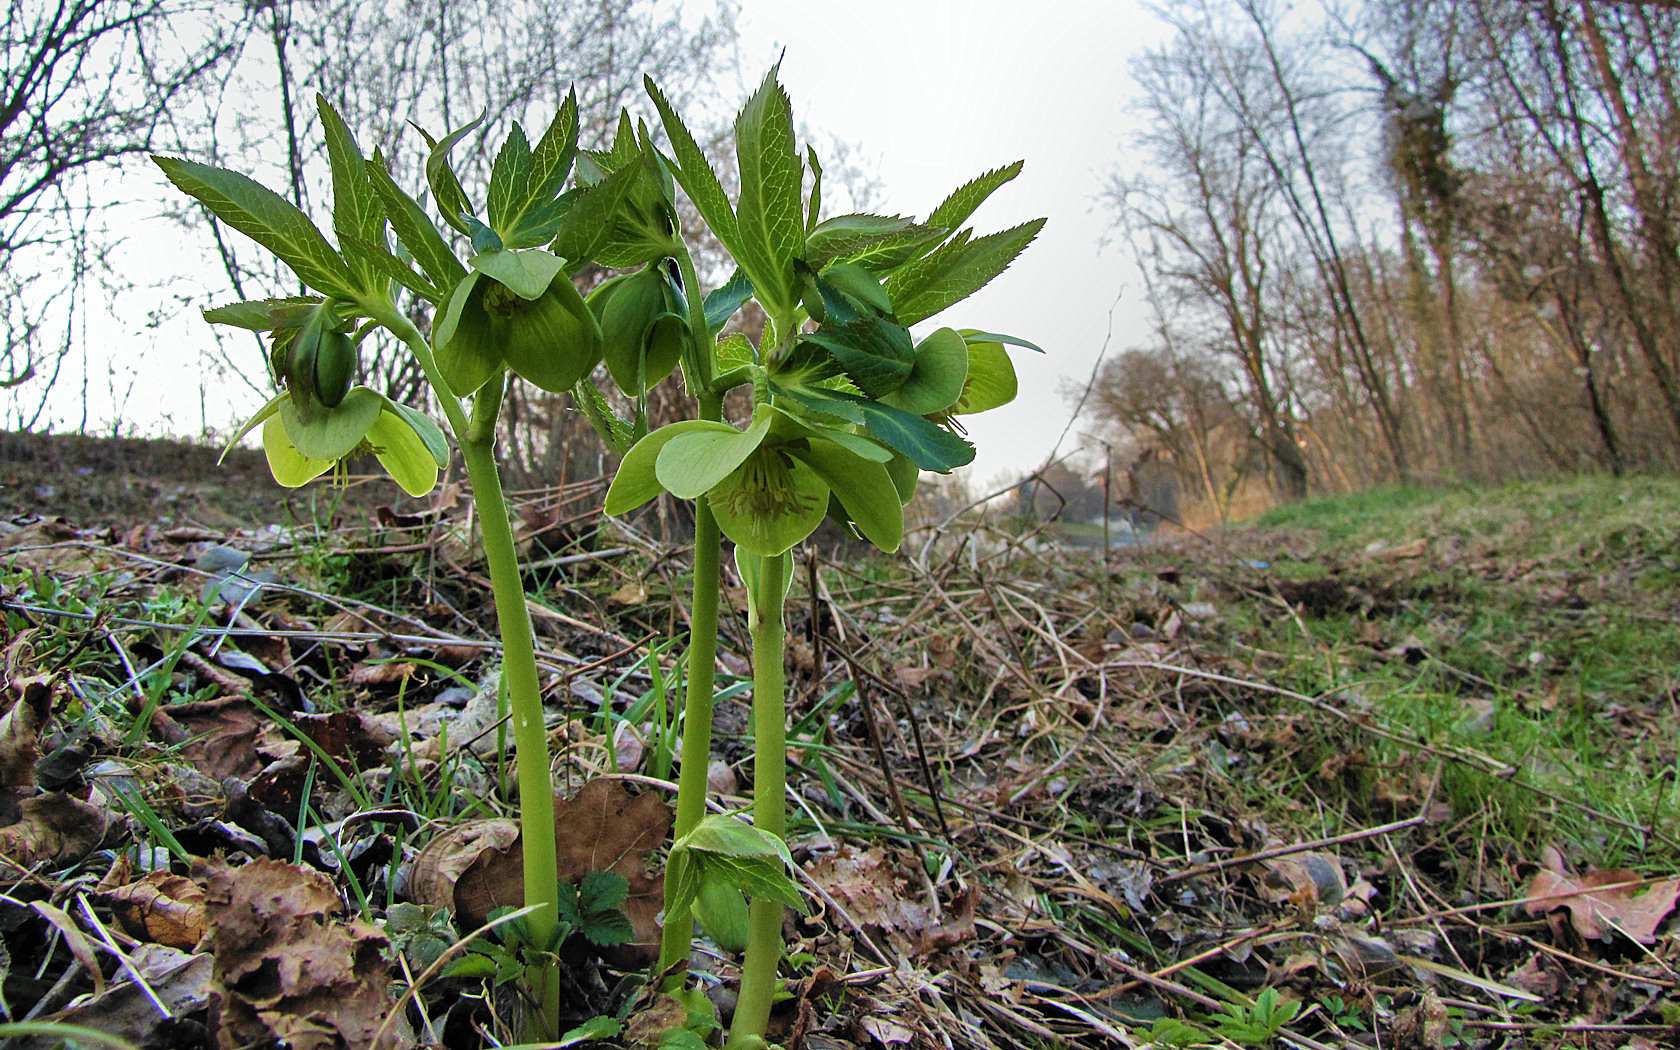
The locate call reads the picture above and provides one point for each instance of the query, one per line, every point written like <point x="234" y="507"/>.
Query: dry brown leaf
<point x="874" y="895"/>
<point x="476" y="867"/>
<point x="181" y="982"/>
<point x="161" y="907"/>
<point x="286" y="968"/>
<point x="1595" y="913"/>
<point x="387" y="672"/>
<point x="1303" y="879"/>
<point x="29" y="707"/>
<point x="222" y="736"/>
<point x="53" y="830"/>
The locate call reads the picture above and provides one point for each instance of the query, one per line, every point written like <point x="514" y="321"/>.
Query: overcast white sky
<point x="930" y="93"/>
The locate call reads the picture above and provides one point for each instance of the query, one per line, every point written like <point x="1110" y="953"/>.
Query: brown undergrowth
<point x="1271" y="788"/>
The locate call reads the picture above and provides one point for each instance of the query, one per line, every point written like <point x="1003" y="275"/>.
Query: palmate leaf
<point x="378" y="265"/>
<point x="591" y="215"/>
<point x="875" y="353"/>
<point x="358" y="212"/>
<point x="770" y="217"/>
<point x="267" y="218"/>
<point x="695" y="173"/>
<point x="415" y="229"/>
<point x="535" y="219"/>
<point x="955" y="271"/>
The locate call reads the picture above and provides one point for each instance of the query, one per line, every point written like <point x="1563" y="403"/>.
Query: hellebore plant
<point x="848" y="408"/>
<point x="510" y="307"/>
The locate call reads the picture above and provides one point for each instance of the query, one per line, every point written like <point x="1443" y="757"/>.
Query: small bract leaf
<point x="722" y="912"/>
<point x="290" y="467"/>
<point x="636" y="481"/>
<point x="694" y="463"/>
<point x="528" y="274"/>
<point x="263" y="315"/>
<point x="936" y="377"/>
<point x="331" y="434"/>
<point x="402" y="452"/>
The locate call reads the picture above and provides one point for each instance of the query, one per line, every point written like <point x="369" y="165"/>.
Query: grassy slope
<point x="1548" y="613"/>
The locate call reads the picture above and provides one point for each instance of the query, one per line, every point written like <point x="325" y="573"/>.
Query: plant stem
<point x="477" y="440"/>
<point x="678" y="931"/>
<point x="764" y="917"/>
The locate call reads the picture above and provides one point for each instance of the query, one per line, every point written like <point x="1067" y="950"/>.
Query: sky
<point x="926" y="94"/>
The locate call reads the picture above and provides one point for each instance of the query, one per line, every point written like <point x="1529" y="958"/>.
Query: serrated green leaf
<point x="952" y="273"/>
<point x="770" y="216"/>
<point x="813" y="207"/>
<point x="694" y="172"/>
<point x="602" y="891"/>
<point x="414" y="229"/>
<point x="875" y="353"/>
<point x="606" y="929"/>
<point x="724" y="301"/>
<point x="847" y="238"/>
<point x="618" y="434"/>
<point x="358" y="213"/>
<point x="536" y="219"/>
<point x="378" y="265"/>
<point x="588" y="224"/>
<point x="472" y="966"/>
<point x="955" y="210"/>
<point x="440" y="176"/>
<point x="510" y="181"/>
<point x="267" y="218"/>
<point x="929" y="446"/>
<point x="263" y="315"/>
<point x="591" y="1031"/>
<point x="734" y="351"/>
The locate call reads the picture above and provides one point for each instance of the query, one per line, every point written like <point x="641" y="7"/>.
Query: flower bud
<point x="642" y="329"/>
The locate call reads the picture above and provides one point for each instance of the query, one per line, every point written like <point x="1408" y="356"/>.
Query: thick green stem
<point x="764" y="920"/>
<point x="678" y="931"/>
<point x="477" y="439"/>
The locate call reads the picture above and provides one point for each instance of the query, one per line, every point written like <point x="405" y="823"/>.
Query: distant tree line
<point x="1421" y="241"/>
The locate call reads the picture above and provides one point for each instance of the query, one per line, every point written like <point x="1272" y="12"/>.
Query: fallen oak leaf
<point x="1601" y="902"/>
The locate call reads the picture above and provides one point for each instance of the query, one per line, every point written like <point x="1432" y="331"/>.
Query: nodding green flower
<point x="643" y="331"/>
<point x="304" y="440"/>
<point x="769" y="485"/>
<point x="316" y="362"/>
<point x="518" y="310"/>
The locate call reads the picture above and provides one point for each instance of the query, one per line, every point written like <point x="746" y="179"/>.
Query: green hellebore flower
<point x="516" y="309"/>
<point x="301" y="445"/>
<point x="768" y="485"/>
<point x="320" y="360"/>
<point x="642" y="328"/>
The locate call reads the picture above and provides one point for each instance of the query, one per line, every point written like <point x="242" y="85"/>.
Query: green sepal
<point x="739" y="502"/>
<point x="465" y="347"/>
<point x="864" y="488"/>
<point x="331" y="433"/>
<point x="936" y="377"/>
<point x="291" y="468"/>
<point x="403" y="452"/>
<point x="257" y="419"/>
<point x="905" y="476"/>
<point x="528" y="274"/>
<point x="430" y="434"/>
<point x="721" y="911"/>
<point x="991" y="381"/>
<point x="750" y="567"/>
<point x="637" y="480"/>
<point x="693" y="464"/>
